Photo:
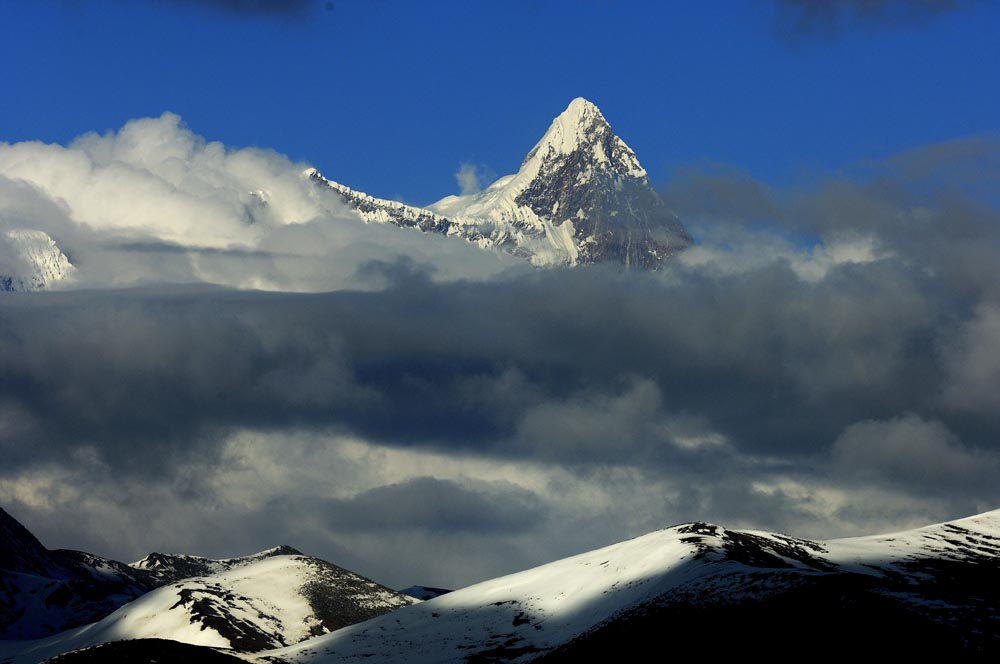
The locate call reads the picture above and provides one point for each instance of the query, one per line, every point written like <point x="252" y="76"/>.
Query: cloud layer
<point x="823" y="362"/>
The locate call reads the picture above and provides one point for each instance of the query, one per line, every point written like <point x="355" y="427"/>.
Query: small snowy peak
<point x="47" y="595"/>
<point x="31" y="260"/>
<point x="275" y="601"/>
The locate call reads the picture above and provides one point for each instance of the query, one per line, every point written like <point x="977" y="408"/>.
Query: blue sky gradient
<point x="391" y="97"/>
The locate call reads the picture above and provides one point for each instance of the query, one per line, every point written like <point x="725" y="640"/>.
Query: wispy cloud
<point x="472" y="178"/>
<point x="808" y="19"/>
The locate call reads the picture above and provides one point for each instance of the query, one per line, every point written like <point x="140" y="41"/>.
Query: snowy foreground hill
<point x="942" y="579"/>
<point x="270" y="599"/>
<point x="267" y="603"/>
<point x="691" y="588"/>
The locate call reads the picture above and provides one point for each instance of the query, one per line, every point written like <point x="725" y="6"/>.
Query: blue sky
<point x="391" y="97"/>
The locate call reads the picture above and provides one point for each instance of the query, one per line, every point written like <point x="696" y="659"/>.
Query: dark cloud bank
<point x="825" y="361"/>
<point x="253" y="8"/>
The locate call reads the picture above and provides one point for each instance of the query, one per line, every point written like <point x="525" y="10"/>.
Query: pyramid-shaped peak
<point x="580" y="197"/>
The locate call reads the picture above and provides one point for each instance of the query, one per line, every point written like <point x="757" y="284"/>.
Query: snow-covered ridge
<point x="579" y="197"/>
<point x="378" y="210"/>
<point x="33" y="261"/>
<point x="540" y="611"/>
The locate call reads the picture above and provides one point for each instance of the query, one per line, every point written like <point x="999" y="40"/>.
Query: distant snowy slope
<point x="44" y="591"/>
<point x="267" y="603"/>
<point x="30" y="260"/>
<point x="580" y="197"/>
<point x="940" y="576"/>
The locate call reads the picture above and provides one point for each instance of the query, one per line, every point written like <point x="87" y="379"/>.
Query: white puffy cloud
<point x="728" y="249"/>
<point x="468" y="180"/>
<point x="155" y="202"/>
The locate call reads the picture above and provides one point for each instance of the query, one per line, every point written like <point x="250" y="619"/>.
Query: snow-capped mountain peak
<point x="580" y="197"/>
<point x="274" y="601"/>
<point x="276" y="597"/>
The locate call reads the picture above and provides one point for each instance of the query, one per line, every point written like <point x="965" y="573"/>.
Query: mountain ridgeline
<point x="692" y="588"/>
